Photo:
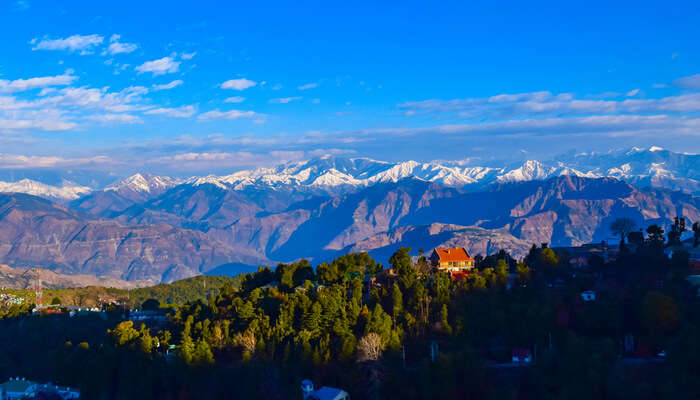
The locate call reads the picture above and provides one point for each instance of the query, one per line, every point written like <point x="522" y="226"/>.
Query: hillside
<point x="17" y="278"/>
<point x="191" y="229"/>
<point x="35" y="232"/>
<point x="178" y="292"/>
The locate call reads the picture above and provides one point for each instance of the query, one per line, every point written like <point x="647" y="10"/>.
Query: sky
<point x="186" y="88"/>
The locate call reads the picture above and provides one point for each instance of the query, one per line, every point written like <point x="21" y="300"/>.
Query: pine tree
<point x="443" y="320"/>
<point x="186" y="348"/>
<point x="145" y="340"/>
<point x="397" y="301"/>
<point x="312" y="319"/>
<point x="202" y="353"/>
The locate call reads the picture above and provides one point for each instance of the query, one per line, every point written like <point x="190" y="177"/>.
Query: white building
<point x="324" y="393"/>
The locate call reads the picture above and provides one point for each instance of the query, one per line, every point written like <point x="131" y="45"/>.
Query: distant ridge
<point x="654" y="167"/>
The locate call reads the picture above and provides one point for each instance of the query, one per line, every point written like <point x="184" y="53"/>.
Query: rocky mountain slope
<point x="196" y="227"/>
<point x="18" y="278"/>
<point x="35" y="232"/>
<point x="566" y="210"/>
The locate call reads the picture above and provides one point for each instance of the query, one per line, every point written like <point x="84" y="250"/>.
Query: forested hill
<point x="192" y="289"/>
<point x="352" y="325"/>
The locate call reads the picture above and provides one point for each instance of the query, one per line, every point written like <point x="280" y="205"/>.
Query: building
<point x="324" y="393"/>
<point x="147" y="315"/>
<point x="15" y="388"/>
<point x="522" y="355"/>
<point x="588" y="295"/>
<point x="579" y="256"/>
<point x="21" y="388"/>
<point x="455" y="259"/>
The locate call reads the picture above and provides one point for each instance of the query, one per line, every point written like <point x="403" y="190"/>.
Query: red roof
<point x="453" y="254"/>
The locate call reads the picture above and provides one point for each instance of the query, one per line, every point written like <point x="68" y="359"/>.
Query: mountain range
<point x="157" y="228"/>
<point x="652" y="167"/>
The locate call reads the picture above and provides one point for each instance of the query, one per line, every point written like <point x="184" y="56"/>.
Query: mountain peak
<point x="67" y="191"/>
<point x="145" y="183"/>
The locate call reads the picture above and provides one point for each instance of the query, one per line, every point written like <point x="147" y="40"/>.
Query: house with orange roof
<point x="452" y="260"/>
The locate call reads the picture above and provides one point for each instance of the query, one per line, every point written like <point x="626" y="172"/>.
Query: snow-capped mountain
<point x="144" y="183"/>
<point x="66" y="192"/>
<point x="339" y="173"/>
<point x="533" y="170"/>
<point x="645" y="167"/>
<point x="653" y="167"/>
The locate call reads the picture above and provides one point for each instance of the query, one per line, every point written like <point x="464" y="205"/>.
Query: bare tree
<point x="622" y="227"/>
<point x="696" y="233"/>
<point x="247" y="341"/>
<point x="370" y="347"/>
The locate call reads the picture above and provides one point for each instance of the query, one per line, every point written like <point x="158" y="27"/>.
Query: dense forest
<point x="405" y="331"/>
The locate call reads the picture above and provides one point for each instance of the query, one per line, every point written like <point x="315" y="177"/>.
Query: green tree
<point x="124" y="333"/>
<point x="146" y="342"/>
<point x="443" y="320"/>
<point x="655" y="236"/>
<point x="312" y="319"/>
<point x="622" y="227"/>
<point x="151" y="305"/>
<point x="397" y="302"/>
<point x="202" y="353"/>
<point x="523" y="272"/>
<point x="186" y="348"/>
<point x="403" y="267"/>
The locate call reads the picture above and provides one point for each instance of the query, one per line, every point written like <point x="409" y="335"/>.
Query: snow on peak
<point x="655" y="148"/>
<point x="337" y="174"/>
<point x="144" y="183"/>
<point x="530" y="170"/>
<point x="67" y="191"/>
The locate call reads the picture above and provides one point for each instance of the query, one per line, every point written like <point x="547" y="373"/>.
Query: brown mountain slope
<point x="34" y="232"/>
<point x="18" y="278"/>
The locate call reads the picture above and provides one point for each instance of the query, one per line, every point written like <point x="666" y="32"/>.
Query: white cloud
<point x="98" y="99"/>
<point x="235" y="99"/>
<point x="20" y="85"/>
<point x="285" y="100"/>
<point x="546" y="104"/>
<point x="116" y="118"/>
<point x="116" y="47"/>
<point x="238" y="84"/>
<point x="188" y="56"/>
<point x="659" y="85"/>
<point x="307" y="86"/>
<point x="22" y="161"/>
<point x="632" y="93"/>
<point x="69" y="108"/>
<point x="179" y="112"/>
<point x="167" y="86"/>
<point x="38" y="124"/>
<point x="688" y="82"/>
<point x="233" y="114"/>
<point x="82" y="43"/>
<point x="165" y="65"/>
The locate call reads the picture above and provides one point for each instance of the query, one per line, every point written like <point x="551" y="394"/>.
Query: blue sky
<point x="181" y="87"/>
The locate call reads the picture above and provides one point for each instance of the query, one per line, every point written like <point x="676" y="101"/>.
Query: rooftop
<point x="453" y="254"/>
